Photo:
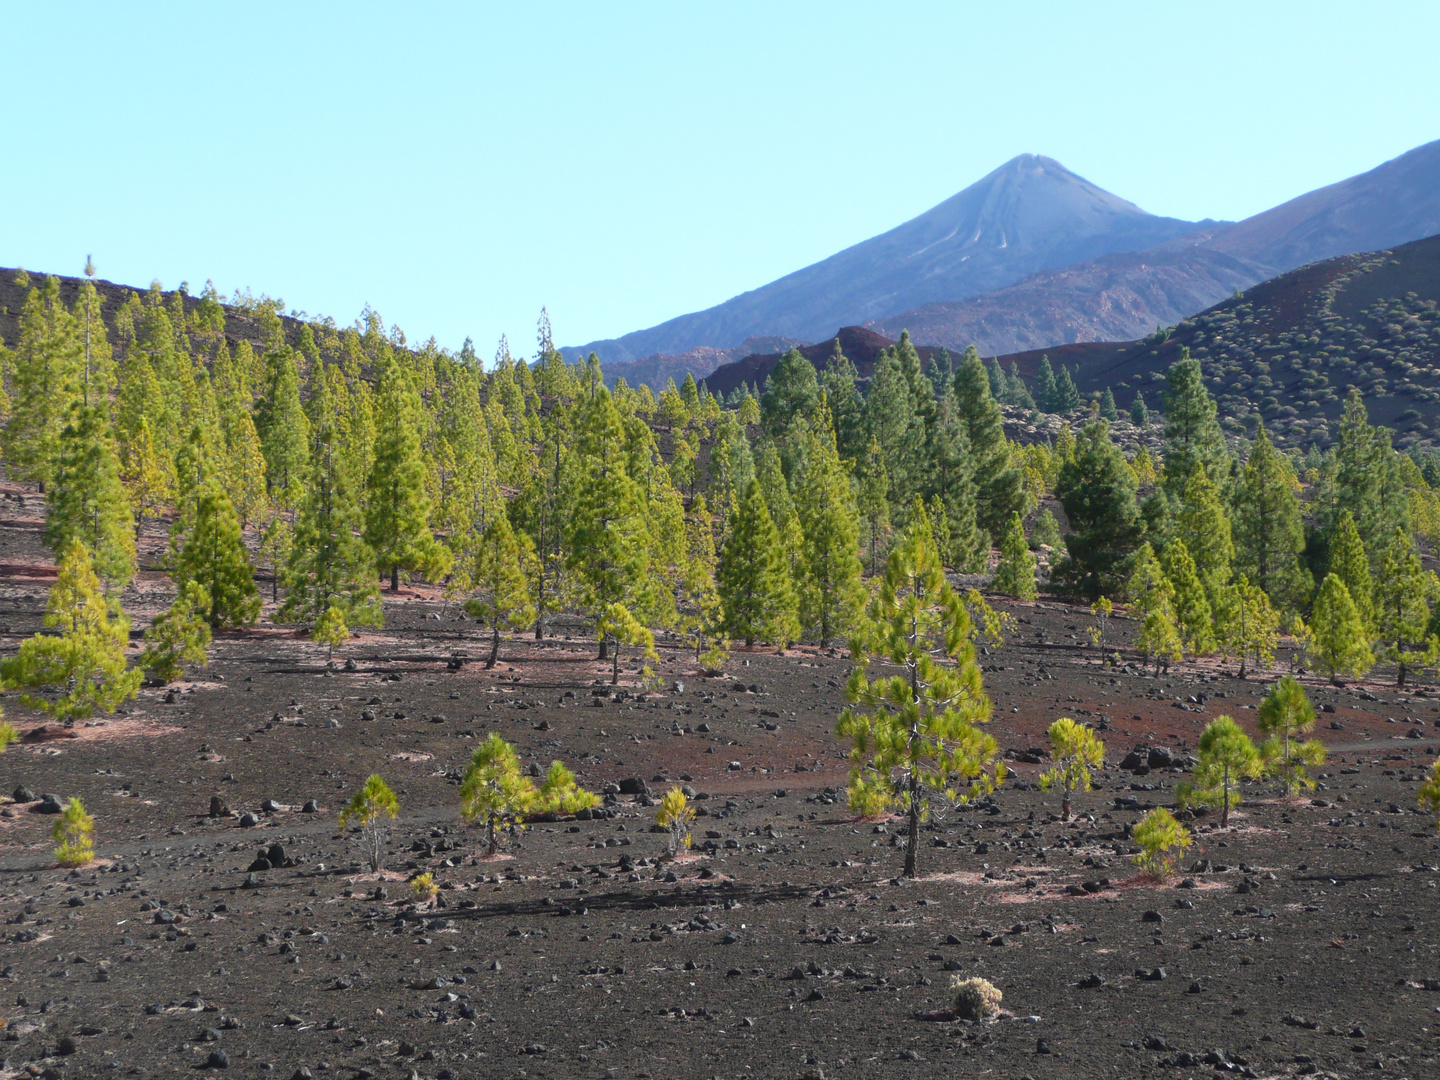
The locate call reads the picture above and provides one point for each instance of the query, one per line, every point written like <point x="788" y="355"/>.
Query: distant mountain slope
<point x="1116" y="298"/>
<point x="1028" y="215"/>
<point x="1120" y="297"/>
<point x="1288" y="349"/>
<point x="1285" y="351"/>
<point x="1391" y="204"/>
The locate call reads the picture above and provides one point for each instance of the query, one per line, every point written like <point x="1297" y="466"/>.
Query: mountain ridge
<point x="1030" y="214"/>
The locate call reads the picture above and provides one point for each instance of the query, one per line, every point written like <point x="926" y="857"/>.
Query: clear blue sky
<point x="458" y="166"/>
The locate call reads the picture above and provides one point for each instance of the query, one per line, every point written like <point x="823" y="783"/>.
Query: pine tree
<point x="1285" y="713"/>
<point x="1192" y="609"/>
<point x="1019" y="392"/>
<point x="617" y="625"/>
<point x="791" y="390"/>
<point x="830" y="591"/>
<point x="1015" y="576"/>
<point x="372" y="806"/>
<point x="328" y="564"/>
<point x="846" y="404"/>
<point x="87" y="502"/>
<point x="1139" y="414"/>
<point x="1227" y="755"/>
<point x="754" y="583"/>
<point x="1269" y="535"/>
<point x="499" y="575"/>
<point x="397" y="510"/>
<point x="703" y="613"/>
<point x="1067" y="397"/>
<point x="1108" y="411"/>
<point x="179" y="635"/>
<point x="609" y="543"/>
<point x="214" y="556"/>
<point x="1203" y="524"/>
<point x="1192" y="434"/>
<point x="1075" y="750"/>
<point x="46" y="367"/>
<point x="244" y="465"/>
<point x="1045" y="388"/>
<point x="1097" y="491"/>
<point x="998" y="491"/>
<point x="999" y="385"/>
<point x="923" y="724"/>
<point x="283" y="427"/>
<point x="1143" y="466"/>
<point x="873" y="505"/>
<point x="330" y="630"/>
<point x="97" y="366"/>
<point x="1152" y="596"/>
<point x="494" y="790"/>
<point x="1402" y="610"/>
<point x="892" y="419"/>
<point x="1338" y="633"/>
<point x="1245" y="623"/>
<point x="86" y="662"/>
<point x="147" y="484"/>
<point x="1351" y="565"/>
<point x="951" y="481"/>
<point x="1367" y="481"/>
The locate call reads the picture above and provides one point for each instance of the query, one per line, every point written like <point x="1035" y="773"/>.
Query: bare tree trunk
<point x="395" y="578"/>
<point x="494" y="648"/>
<point x="1225" y="806"/>
<point x="914" y="836"/>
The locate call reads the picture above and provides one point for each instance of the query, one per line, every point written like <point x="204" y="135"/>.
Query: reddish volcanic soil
<point x="1300" y="942"/>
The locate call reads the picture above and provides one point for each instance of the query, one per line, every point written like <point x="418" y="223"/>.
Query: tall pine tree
<point x="998" y="492"/>
<point x="1269" y="535"/>
<point x="87" y="502"/>
<point x="754" y="582"/>
<point x="397" y="510"/>
<point x="830" y="589"/>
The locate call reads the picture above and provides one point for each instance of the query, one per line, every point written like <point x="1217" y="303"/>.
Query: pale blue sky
<point x="458" y="166"/>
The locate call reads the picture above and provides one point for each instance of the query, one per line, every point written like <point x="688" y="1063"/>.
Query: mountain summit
<point x="1030" y="214"/>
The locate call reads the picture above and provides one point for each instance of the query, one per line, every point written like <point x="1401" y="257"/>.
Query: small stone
<point x="49" y="804"/>
<point x="23" y="794"/>
<point x="248" y="821"/>
<point x="1152" y="916"/>
<point x="310" y="807"/>
<point x="218" y="1059"/>
<point x="66" y="1045"/>
<point x="1042" y="1047"/>
<point x="219" y="807"/>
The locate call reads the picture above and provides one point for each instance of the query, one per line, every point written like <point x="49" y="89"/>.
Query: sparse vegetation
<point x="975" y="998"/>
<point x="74" y="833"/>
<point x="1075" y="750"/>
<point x="373" y="806"/>
<point x="1161" y="840"/>
<point x="674" y="818"/>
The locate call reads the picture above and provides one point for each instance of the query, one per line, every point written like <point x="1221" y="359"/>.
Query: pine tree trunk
<point x="395" y="577"/>
<point x="1065" y="805"/>
<point x="914" y="835"/>
<point x="494" y="648"/>
<point x="615" y="670"/>
<point x="1225" y="806"/>
<point x="604" y="649"/>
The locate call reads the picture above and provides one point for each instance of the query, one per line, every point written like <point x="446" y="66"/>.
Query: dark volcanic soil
<point x="786" y="949"/>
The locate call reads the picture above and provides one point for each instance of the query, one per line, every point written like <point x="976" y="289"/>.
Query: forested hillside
<point x="336" y="461"/>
